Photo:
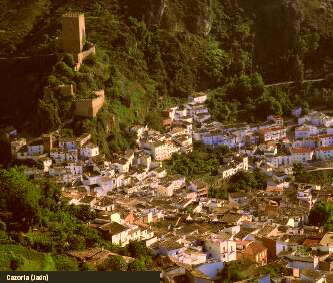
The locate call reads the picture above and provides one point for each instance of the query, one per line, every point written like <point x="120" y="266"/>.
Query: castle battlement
<point x="73" y="15"/>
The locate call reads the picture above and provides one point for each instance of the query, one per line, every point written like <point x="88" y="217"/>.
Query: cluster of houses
<point x="136" y="199"/>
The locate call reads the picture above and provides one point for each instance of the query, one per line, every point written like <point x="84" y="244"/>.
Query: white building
<point x="67" y="143"/>
<point x="163" y="150"/>
<point x="233" y="167"/>
<point x="75" y="169"/>
<point x="306" y="131"/>
<point x="221" y="247"/>
<point x="280" y="160"/>
<point x="35" y="149"/>
<point x="197" y="98"/>
<point x="316" y="118"/>
<point x="62" y="155"/>
<point x="301" y="155"/>
<point x="191" y="257"/>
<point x="324" y="153"/>
<point x="89" y="150"/>
<point x="269" y="134"/>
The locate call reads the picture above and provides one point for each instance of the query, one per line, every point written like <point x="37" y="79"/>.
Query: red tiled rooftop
<point x="301" y="150"/>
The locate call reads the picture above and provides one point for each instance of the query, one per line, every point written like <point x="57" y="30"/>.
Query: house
<point x="206" y="273"/>
<point x="312" y="276"/>
<point x="305" y="131"/>
<point x="35" y="148"/>
<point x="274" y="187"/>
<point x="286" y="243"/>
<point x="197" y="98"/>
<point x="191" y="257"/>
<point x="277" y="120"/>
<point x="169" y="247"/>
<point x="61" y="155"/>
<point x="301" y="155"/>
<point x="324" y="153"/>
<point x="268" y="231"/>
<point x="269" y="149"/>
<point x="326" y="243"/>
<point x="67" y="143"/>
<point x="163" y="150"/>
<point x="301" y="262"/>
<point x="221" y="247"/>
<point x="213" y="138"/>
<point x="316" y="118"/>
<point x="184" y="142"/>
<point x="234" y="218"/>
<point x="280" y="160"/>
<point x="256" y="252"/>
<point x="199" y="187"/>
<point x="89" y="150"/>
<point x="304" y="195"/>
<point x="269" y="243"/>
<point x="268" y="134"/>
<point x="311" y="142"/>
<point x="104" y="204"/>
<point x="148" y="216"/>
<point x="233" y="167"/>
<point x="245" y="234"/>
<point x="96" y="256"/>
<point x="121" y="234"/>
<point x="124" y="163"/>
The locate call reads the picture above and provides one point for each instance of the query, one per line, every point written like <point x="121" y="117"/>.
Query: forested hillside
<point x="151" y="53"/>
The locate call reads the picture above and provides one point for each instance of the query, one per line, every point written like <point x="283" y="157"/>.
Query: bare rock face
<point x="199" y="17"/>
<point x="156" y="11"/>
<point x="204" y="20"/>
<point x="195" y="16"/>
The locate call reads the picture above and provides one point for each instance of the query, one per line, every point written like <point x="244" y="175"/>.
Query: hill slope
<point x="157" y="52"/>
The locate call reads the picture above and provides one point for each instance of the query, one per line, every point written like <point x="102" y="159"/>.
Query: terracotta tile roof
<point x="301" y="150"/>
<point x="325" y="148"/>
<point x="311" y="242"/>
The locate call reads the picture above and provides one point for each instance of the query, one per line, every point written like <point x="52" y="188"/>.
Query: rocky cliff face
<point x="174" y="15"/>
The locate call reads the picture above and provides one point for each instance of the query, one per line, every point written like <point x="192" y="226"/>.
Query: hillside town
<point x="137" y="198"/>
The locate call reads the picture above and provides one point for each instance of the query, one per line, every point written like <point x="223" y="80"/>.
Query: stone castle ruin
<point x="90" y="107"/>
<point x="74" y="42"/>
<point x="74" y="38"/>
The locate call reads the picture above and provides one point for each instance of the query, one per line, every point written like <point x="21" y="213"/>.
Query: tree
<point x="20" y="196"/>
<point x="5" y="153"/>
<point x="114" y="263"/>
<point x="267" y="105"/>
<point x="322" y="214"/>
<point x="137" y="249"/>
<point x="137" y="265"/>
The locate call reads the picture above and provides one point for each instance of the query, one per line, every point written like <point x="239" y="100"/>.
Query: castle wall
<point x="84" y="55"/>
<point x="90" y="107"/>
<point x="65" y="90"/>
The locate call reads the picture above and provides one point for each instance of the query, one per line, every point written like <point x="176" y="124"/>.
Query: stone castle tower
<point x="73" y="33"/>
